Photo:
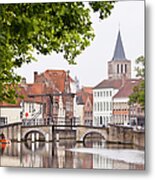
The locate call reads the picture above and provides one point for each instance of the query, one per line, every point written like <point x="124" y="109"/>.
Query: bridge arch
<point x="92" y="132"/>
<point x="31" y="131"/>
<point x="82" y="132"/>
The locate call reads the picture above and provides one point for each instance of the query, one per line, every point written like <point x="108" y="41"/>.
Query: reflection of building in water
<point x="82" y="161"/>
<point x="18" y="155"/>
<point x="11" y="156"/>
<point x="101" y="162"/>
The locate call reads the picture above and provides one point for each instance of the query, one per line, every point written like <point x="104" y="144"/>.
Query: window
<point x="104" y="120"/>
<point x="104" y="106"/>
<point x="3" y="121"/>
<point x="107" y="106"/>
<point x="100" y="106"/>
<point x="94" y="106"/>
<point x="117" y="68"/>
<point x="21" y="115"/>
<point x="110" y="93"/>
<point x="101" y="120"/>
<point x="111" y="104"/>
<point x="121" y="68"/>
<point x="125" y="68"/>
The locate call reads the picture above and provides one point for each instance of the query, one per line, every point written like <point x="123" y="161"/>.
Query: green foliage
<point x="44" y="27"/>
<point x="138" y="95"/>
<point x="141" y="68"/>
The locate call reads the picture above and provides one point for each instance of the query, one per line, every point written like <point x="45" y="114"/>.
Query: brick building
<point x="58" y="108"/>
<point x="121" y="107"/>
<point x="84" y="100"/>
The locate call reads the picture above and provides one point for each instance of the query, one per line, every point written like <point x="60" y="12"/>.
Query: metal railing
<point x="59" y="121"/>
<point x="36" y="122"/>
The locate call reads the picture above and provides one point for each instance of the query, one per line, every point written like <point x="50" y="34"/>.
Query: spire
<point x="119" y="53"/>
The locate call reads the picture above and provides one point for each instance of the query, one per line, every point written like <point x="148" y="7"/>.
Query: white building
<point x="10" y="114"/>
<point x="14" y="113"/>
<point x="102" y="97"/>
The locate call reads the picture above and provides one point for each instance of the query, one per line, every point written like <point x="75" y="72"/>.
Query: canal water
<point x="69" y="154"/>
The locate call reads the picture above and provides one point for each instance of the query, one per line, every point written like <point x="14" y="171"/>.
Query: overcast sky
<point x="91" y="65"/>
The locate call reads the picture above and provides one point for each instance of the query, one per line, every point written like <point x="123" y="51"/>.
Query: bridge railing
<point x="36" y="122"/>
<point x="59" y="121"/>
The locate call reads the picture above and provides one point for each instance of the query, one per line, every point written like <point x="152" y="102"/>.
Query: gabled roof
<point x="126" y="90"/>
<point x="25" y="90"/>
<point x="109" y="83"/>
<point x="119" y="53"/>
<point x="83" y="94"/>
<point x="56" y="78"/>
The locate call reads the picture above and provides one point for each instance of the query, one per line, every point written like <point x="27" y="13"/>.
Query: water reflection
<point x="59" y="155"/>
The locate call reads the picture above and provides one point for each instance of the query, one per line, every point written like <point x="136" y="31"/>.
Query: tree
<point x="138" y="95"/>
<point x="44" y="28"/>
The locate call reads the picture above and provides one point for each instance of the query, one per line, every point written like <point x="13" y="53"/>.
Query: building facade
<point x="121" y="108"/>
<point x="50" y="96"/>
<point x="84" y="101"/>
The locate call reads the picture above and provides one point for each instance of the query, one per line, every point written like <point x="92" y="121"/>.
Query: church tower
<point x="119" y="67"/>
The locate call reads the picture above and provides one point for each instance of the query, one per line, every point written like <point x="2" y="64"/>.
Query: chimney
<point x="67" y="73"/>
<point x="35" y="76"/>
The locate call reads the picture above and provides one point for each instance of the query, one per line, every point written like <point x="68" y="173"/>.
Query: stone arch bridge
<point x="113" y="133"/>
<point x="83" y="131"/>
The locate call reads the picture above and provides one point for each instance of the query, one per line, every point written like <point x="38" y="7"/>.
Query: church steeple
<point x="119" y="67"/>
<point x="119" y="53"/>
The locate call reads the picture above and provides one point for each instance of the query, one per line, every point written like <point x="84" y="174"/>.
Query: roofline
<point x="9" y="106"/>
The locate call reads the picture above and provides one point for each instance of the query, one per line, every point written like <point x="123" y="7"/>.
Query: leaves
<point x="45" y="28"/>
<point x="138" y="95"/>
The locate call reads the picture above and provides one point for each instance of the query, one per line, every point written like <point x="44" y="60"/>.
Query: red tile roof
<point x="109" y="83"/>
<point x="46" y="82"/>
<point x="127" y="89"/>
<point x="56" y="79"/>
<point x="7" y="105"/>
